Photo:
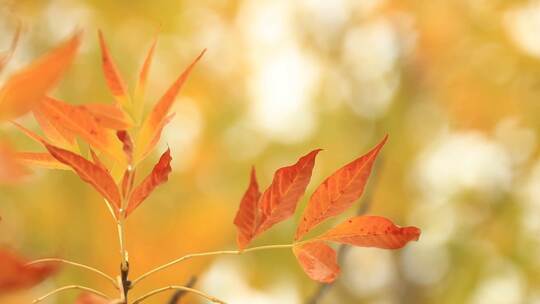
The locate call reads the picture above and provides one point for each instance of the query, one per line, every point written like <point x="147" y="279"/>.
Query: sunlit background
<point x="456" y="85"/>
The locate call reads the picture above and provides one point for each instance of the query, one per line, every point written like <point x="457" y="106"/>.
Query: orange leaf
<point x="109" y="116"/>
<point x="27" y="87"/>
<point x="44" y="160"/>
<point x="89" y="172"/>
<point x="32" y="135"/>
<point x="89" y="298"/>
<point x="140" y="88"/>
<point x="279" y="200"/>
<point x="153" y="140"/>
<point x="56" y="133"/>
<point x="318" y="260"/>
<point x="371" y="231"/>
<point x="154" y="122"/>
<point x="158" y="176"/>
<point x="11" y="170"/>
<point x="246" y="217"/>
<point x="84" y="124"/>
<point x="16" y="275"/>
<point x="112" y="76"/>
<point x="339" y="191"/>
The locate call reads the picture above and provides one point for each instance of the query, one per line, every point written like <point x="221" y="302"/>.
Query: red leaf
<point x="89" y="172"/>
<point x="246" y="217"/>
<point x="318" y="260"/>
<point x="112" y="76"/>
<point x="371" y="231"/>
<point x="339" y="191"/>
<point x="127" y="144"/>
<point x="155" y="120"/>
<point x="158" y="176"/>
<point x="27" y="87"/>
<point x="15" y="274"/>
<point x="279" y="200"/>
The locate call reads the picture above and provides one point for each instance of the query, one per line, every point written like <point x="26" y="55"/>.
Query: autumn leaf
<point x="318" y="260"/>
<point x="109" y="116"/>
<point x="11" y="171"/>
<point x="40" y="159"/>
<point x="140" y="88"/>
<point x="16" y="275"/>
<point x="246" y="217"/>
<point x="112" y="75"/>
<point x="55" y="132"/>
<point x="158" y="176"/>
<point x="84" y="124"/>
<point x="339" y="191"/>
<point x="27" y="87"/>
<point x="127" y="144"/>
<point x="371" y="231"/>
<point x="279" y="200"/>
<point x="89" y="172"/>
<point x="154" y="123"/>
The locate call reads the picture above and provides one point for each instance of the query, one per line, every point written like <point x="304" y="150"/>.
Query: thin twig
<point x="180" y="293"/>
<point x="367" y="201"/>
<point x="174" y="287"/>
<point x="83" y="266"/>
<point x="223" y="252"/>
<point x="69" y="287"/>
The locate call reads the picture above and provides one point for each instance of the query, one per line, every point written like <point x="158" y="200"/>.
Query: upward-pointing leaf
<point x="247" y="214"/>
<point x="157" y="118"/>
<point x="158" y="176"/>
<point x="318" y="260"/>
<point x="140" y="88"/>
<point x="339" y="191"/>
<point x="27" y="87"/>
<point x="89" y="172"/>
<point x="371" y="231"/>
<point x="279" y="200"/>
<point x="112" y="75"/>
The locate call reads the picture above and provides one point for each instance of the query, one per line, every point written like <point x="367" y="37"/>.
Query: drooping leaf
<point x="339" y="191"/>
<point x="5" y="57"/>
<point x="318" y="260"/>
<point x="112" y="75"/>
<point x="40" y="159"/>
<point x="247" y="214"/>
<point x="89" y="172"/>
<point x="109" y="116"/>
<point x="371" y="231"/>
<point x="279" y="200"/>
<point x="155" y="120"/>
<point x="84" y="124"/>
<point x="140" y="88"/>
<point x="158" y="176"/>
<point x="16" y="275"/>
<point x="27" y="87"/>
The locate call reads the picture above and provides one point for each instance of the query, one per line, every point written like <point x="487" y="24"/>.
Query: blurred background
<point x="456" y="85"/>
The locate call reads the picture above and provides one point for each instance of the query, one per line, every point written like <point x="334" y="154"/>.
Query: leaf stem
<point x="211" y="253"/>
<point x="83" y="266"/>
<point x="69" y="287"/>
<point x="174" y="287"/>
